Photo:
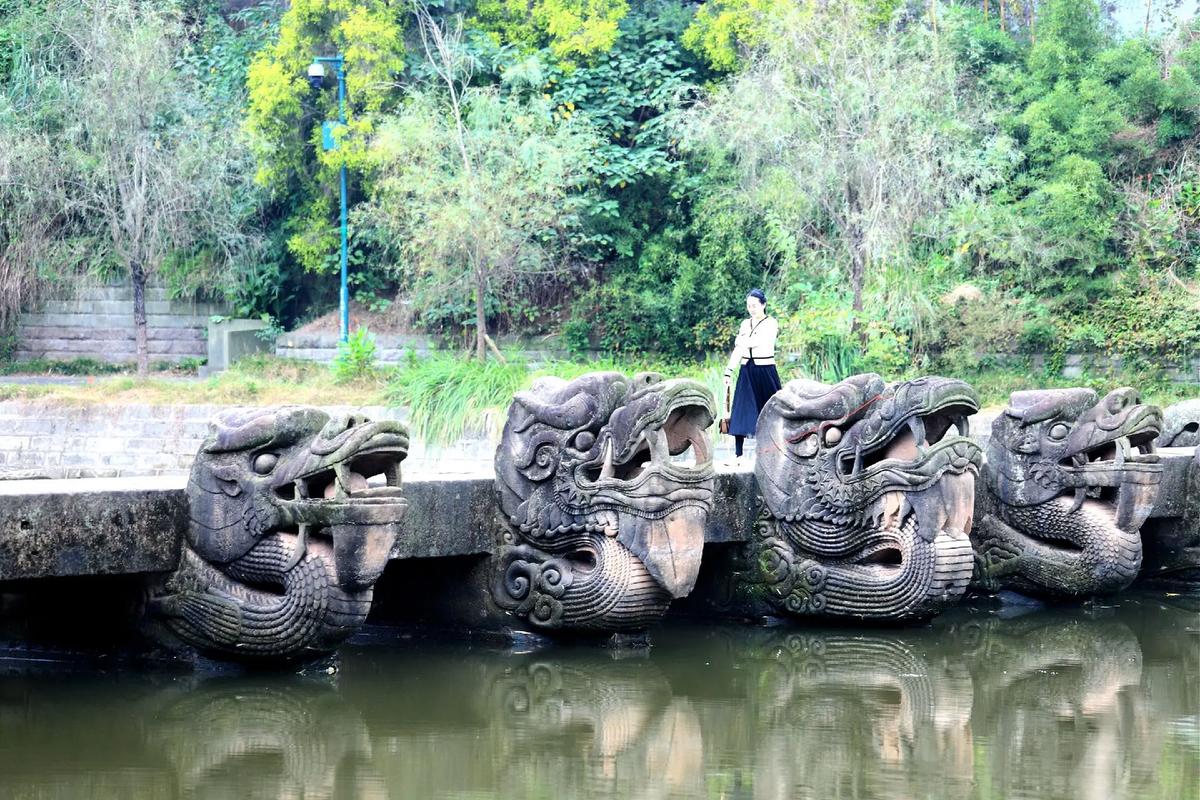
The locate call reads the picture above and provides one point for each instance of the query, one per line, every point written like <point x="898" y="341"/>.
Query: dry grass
<point x="259" y="381"/>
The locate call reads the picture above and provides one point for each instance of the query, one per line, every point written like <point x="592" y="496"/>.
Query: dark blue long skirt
<point x="755" y="385"/>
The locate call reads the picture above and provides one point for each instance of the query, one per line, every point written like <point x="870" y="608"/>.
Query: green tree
<point x="138" y="174"/>
<point x="856" y="140"/>
<point x="283" y="114"/>
<point x="477" y="188"/>
<point x="570" y="28"/>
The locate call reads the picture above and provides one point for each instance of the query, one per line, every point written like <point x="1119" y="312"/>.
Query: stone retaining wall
<point x="41" y="439"/>
<point x="394" y="348"/>
<point x="53" y="439"/>
<point x="97" y="322"/>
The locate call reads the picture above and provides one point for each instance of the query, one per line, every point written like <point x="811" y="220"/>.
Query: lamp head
<point x="316" y="74"/>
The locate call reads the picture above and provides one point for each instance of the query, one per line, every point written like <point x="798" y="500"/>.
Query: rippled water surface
<point x="1084" y="703"/>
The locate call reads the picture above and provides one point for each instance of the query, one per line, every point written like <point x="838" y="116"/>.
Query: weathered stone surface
<point x="98" y="323"/>
<point x="868" y="498"/>
<point x="1171" y="538"/>
<point x="285" y="536"/>
<point x="59" y="528"/>
<point x="231" y="339"/>
<point x="447" y="517"/>
<point x="1181" y="425"/>
<point x="1071" y="479"/>
<point x="602" y="524"/>
<point x="453" y="516"/>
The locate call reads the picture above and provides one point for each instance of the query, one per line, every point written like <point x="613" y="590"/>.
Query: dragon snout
<point x="1119" y="400"/>
<point x="670" y="548"/>
<point x="361" y="552"/>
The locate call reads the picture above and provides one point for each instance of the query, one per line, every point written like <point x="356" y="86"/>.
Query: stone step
<point x="118" y="307"/>
<point x="34" y="333"/>
<point x="115" y="346"/>
<point x="113" y="320"/>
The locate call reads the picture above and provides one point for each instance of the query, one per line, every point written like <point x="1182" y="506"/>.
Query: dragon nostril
<point x="1122" y="399"/>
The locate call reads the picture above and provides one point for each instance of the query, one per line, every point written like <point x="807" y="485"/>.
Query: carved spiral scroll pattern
<point x="533" y="584"/>
<point x="797" y="584"/>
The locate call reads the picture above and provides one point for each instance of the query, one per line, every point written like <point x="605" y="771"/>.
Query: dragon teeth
<point x="917" y="426"/>
<point x="660" y="451"/>
<point x="345" y="483"/>
<point x="1080" y="496"/>
<point x="607" y="470"/>
<point x="895" y="508"/>
<point x="1122" y="451"/>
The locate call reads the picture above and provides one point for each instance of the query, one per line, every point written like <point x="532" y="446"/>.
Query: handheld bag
<point x="724" y="424"/>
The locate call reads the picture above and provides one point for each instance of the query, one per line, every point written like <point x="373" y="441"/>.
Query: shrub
<point x="355" y="358"/>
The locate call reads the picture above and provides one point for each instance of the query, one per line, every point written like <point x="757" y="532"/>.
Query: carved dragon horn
<point x="239" y="431"/>
<point x="807" y="399"/>
<point x="574" y="413"/>
<point x="1036" y="405"/>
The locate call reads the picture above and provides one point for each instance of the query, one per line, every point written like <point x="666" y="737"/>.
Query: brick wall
<point x="97" y="322"/>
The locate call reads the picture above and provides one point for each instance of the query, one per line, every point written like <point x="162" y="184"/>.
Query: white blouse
<point x="755" y="340"/>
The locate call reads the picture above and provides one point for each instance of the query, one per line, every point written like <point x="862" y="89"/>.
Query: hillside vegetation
<point x="918" y="186"/>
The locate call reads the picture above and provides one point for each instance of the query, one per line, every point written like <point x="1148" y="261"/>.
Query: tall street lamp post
<point x="316" y="74"/>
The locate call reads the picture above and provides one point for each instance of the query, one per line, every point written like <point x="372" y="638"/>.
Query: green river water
<point x="1095" y="702"/>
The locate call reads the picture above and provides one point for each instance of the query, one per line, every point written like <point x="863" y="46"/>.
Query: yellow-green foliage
<point x="369" y="34"/>
<point x="724" y="30"/>
<point x="571" y="28"/>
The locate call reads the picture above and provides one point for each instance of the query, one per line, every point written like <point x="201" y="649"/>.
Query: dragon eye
<point x="265" y="462"/>
<point x="584" y="440"/>
<point x="807" y="446"/>
<point x="1058" y="431"/>
<point x="833" y="436"/>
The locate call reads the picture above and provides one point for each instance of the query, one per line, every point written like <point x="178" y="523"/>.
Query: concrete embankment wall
<point x="54" y="439"/>
<point x="97" y="322"/>
<point x="121" y="526"/>
<point x="322" y="346"/>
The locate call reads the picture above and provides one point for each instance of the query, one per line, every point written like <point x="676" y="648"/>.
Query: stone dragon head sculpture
<point x="1072" y="478"/>
<point x="292" y="520"/>
<point x="868" y="497"/>
<point x="603" y="507"/>
<point x="1181" y="425"/>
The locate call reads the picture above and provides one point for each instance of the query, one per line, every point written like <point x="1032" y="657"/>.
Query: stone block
<point x="10" y="443"/>
<point x="193" y="348"/>
<point x="106" y="444"/>
<point x="35" y="424"/>
<point x="34" y="333"/>
<point x="56" y="528"/>
<point x="231" y="339"/>
<point x="177" y="334"/>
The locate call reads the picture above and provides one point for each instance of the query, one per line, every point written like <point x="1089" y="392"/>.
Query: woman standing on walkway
<point x="757" y="380"/>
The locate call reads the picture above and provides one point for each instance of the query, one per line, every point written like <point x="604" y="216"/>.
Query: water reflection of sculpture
<point x="1042" y="706"/>
<point x="1062" y="699"/>
<point x="1071" y="479"/>
<point x="286" y="537"/>
<point x="563" y="724"/>
<point x="602" y="523"/>
<point x="868" y="496"/>
<point x="216" y="738"/>
<point x="834" y="714"/>
<point x="611" y="729"/>
<point x="246" y="738"/>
